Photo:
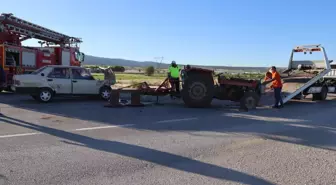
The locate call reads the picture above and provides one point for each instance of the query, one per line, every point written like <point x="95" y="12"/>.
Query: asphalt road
<point x="81" y="142"/>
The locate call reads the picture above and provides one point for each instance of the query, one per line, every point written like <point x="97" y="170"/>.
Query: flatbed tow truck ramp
<point x="304" y="77"/>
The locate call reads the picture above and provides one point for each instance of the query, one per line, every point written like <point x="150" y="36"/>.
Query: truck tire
<point x="322" y="95"/>
<point x="45" y="95"/>
<point x="105" y="93"/>
<point x="250" y="100"/>
<point x="198" y="90"/>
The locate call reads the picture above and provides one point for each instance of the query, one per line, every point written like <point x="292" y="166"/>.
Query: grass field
<point x="128" y="79"/>
<point x="155" y="80"/>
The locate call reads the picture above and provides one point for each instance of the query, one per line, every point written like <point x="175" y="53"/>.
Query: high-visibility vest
<point x="174" y="71"/>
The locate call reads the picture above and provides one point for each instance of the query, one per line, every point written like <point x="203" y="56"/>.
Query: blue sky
<point x="207" y="32"/>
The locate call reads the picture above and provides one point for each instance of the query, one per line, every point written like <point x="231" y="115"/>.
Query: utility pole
<point x="159" y="63"/>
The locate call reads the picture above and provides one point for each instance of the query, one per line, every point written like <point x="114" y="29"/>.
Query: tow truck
<point x="307" y="77"/>
<point x="55" y="48"/>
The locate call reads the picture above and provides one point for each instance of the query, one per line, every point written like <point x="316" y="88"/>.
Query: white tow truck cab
<point x="54" y="80"/>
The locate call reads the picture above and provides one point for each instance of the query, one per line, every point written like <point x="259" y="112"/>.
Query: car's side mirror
<point x="42" y="74"/>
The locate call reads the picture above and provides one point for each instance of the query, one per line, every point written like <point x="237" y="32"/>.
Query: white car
<point x="49" y="81"/>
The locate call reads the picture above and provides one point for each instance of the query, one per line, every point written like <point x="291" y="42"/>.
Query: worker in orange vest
<point x="277" y="86"/>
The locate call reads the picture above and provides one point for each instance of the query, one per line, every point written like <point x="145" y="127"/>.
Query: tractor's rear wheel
<point x="198" y="90"/>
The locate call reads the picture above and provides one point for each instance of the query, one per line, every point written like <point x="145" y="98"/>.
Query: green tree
<point x="150" y="71"/>
<point x="118" y="69"/>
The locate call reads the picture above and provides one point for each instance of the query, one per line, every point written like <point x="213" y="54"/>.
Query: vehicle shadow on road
<point x="296" y="124"/>
<point x="93" y="110"/>
<point x="146" y="154"/>
<point x="314" y="131"/>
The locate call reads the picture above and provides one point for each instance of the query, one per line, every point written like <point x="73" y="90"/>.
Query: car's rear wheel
<point x="45" y="95"/>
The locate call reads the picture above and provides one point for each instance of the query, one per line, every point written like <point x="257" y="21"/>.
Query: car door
<point x="59" y="80"/>
<point x="83" y="83"/>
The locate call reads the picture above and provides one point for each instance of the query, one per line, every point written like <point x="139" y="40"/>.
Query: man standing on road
<point x="109" y="76"/>
<point x="174" y="76"/>
<point x="277" y="86"/>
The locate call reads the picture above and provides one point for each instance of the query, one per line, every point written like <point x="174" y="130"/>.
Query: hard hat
<point x="173" y="62"/>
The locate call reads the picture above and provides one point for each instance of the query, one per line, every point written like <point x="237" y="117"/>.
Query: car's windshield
<point x="38" y="70"/>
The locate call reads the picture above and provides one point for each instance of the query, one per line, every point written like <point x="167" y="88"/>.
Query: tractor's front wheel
<point x="198" y="90"/>
<point x="249" y="101"/>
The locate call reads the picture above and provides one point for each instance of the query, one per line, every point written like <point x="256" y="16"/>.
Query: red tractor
<point x="199" y="89"/>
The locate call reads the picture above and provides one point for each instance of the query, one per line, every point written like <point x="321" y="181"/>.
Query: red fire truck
<point x="56" y="48"/>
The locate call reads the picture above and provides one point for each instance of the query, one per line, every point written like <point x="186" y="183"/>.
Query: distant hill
<point x="93" y="60"/>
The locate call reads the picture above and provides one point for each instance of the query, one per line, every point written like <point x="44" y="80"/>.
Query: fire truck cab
<point x="55" y="49"/>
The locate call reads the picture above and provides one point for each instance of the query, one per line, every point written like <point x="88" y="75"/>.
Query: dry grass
<point x="124" y="79"/>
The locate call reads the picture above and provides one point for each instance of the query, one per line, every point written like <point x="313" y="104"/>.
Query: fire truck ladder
<point x="308" y="48"/>
<point x="30" y="30"/>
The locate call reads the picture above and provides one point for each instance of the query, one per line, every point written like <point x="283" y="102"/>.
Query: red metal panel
<point x="2" y="54"/>
<point x="58" y="56"/>
<point x="238" y="83"/>
<point x="73" y="61"/>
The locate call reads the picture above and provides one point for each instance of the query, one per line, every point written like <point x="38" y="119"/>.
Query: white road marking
<point x="103" y="127"/>
<point x="97" y="128"/>
<point x="19" y="135"/>
<point x="176" y="120"/>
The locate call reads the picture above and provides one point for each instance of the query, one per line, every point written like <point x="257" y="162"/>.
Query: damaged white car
<point x="50" y="81"/>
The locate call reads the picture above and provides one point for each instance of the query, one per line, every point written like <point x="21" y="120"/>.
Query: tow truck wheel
<point x="105" y="93"/>
<point x="250" y="100"/>
<point x="322" y="95"/>
<point x="45" y="95"/>
<point x="198" y="90"/>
